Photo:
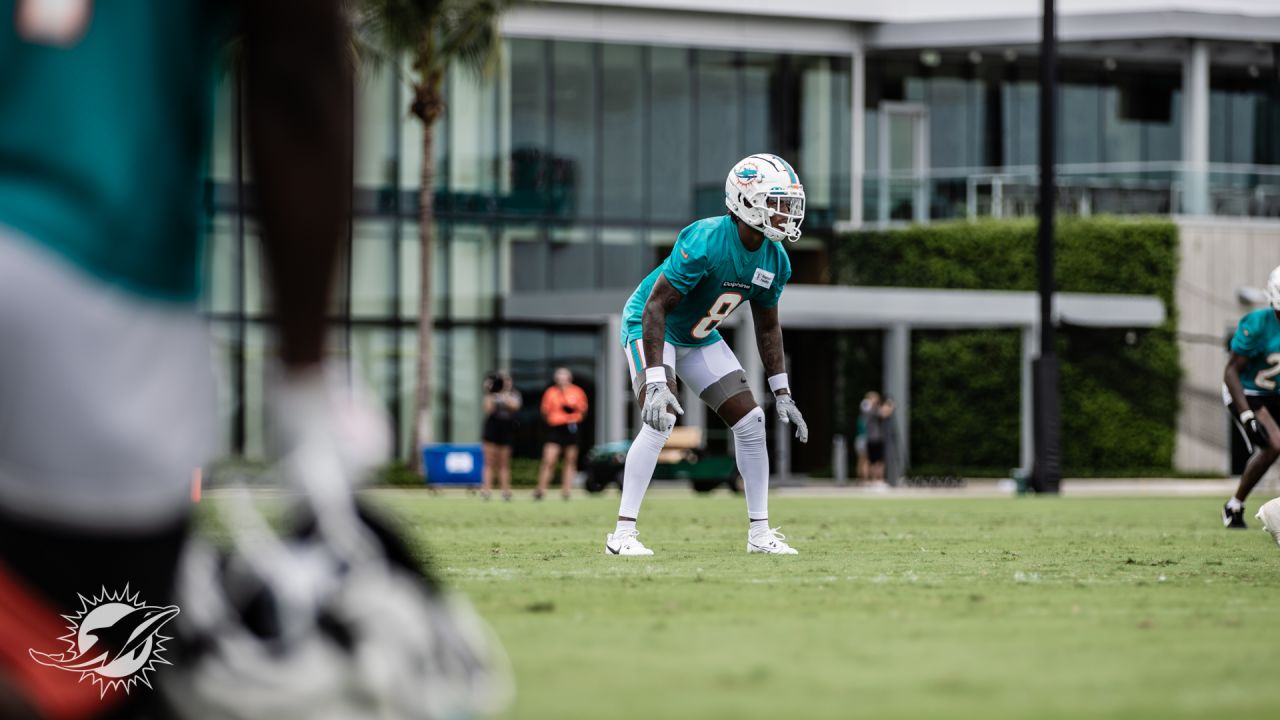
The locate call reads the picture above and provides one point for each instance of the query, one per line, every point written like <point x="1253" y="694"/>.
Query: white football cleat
<point x="625" y="542"/>
<point x="1269" y="514"/>
<point x="770" y="542"/>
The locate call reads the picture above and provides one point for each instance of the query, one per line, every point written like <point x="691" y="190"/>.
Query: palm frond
<point x="397" y="26"/>
<point x="469" y="32"/>
<point x="463" y="31"/>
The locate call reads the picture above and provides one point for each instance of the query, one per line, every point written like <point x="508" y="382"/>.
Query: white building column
<point x="1026" y="405"/>
<point x="1195" y="129"/>
<point x="897" y="385"/>
<point x="611" y="419"/>
<point x="857" y="134"/>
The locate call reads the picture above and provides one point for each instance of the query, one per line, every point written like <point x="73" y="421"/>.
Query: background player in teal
<point x="1252" y="396"/>
<point x="669" y="330"/>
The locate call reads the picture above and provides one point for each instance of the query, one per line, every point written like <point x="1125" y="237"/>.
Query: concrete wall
<point x="1218" y="256"/>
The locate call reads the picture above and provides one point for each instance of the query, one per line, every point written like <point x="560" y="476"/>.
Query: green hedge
<point x="1119" y="388"/>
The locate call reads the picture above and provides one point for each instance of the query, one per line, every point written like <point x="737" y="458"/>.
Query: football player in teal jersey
<point x="106" y="397"/>
<point x="1252" y="396"/>
<point x="669" y="331"/>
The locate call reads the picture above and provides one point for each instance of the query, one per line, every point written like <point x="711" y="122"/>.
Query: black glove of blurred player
<point x="1257" y="434"/>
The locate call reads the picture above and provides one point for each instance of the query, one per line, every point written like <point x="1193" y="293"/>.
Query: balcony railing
<point x="1150" y="188"/>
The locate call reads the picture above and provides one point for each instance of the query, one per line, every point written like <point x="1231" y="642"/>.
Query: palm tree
<point x="433" y="34"/>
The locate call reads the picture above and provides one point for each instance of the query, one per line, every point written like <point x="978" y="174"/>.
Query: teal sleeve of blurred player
<point x="102" y="152"/>
<point x="1245" y="341"/>
<point x="1258" y="339"/>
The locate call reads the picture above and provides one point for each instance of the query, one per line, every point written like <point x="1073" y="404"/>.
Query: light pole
<point x="1047" y="471"/>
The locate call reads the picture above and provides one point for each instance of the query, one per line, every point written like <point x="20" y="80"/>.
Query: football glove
<point x="657" y="396"/>
<point x="1257" y="434"/>
<point x="789" y="413"/>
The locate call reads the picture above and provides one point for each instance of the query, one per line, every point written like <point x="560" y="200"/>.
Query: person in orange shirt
<point x="564" y="405"/>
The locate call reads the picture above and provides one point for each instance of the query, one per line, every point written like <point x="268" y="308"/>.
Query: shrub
<point x="1119" y="388"/>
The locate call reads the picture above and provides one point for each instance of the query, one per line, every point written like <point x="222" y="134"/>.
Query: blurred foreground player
<point x="1252" y="396"/>
<point x="105" y="384"/>
<point x="669" y="330"/>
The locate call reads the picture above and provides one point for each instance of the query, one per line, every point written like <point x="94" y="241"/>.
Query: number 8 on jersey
<point x="722" y="308"/>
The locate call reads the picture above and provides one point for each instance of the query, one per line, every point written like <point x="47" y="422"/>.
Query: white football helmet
<point x="1273" y="289"/>
<point x="761" y="188"/>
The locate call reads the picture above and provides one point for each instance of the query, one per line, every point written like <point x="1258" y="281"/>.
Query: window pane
<point x="373" y="350"/>
<point x="760" y="78"/>
<point x="573" y="128"/>
<point x="223" y="352"/>
<point x="471" y="355"/>
<point x="530" y="159"/>
<point x="257" y="355"/>
<point x="1021" y="123"/>
<point x="372" y="268"/>
<point x="410" y="257"/>
<point x="221" y="153"/>
<point x="624" y="258"/>
<point x="1079" y="117"/>
<point x="527" y="268"/>
<point x="719" y="127"/>
<point x="622" y="192"/>
<point x="255" y="280"/>
<point x="472" y="272"/>
<point x="817" y="132"/>
<point x="375" y="120"/>
<point x="220" y="266"/>
<point x="573" y="259"/>
<point x="1123" y="137"/>
<point x="671" y="114"/>
<point x="409" y="384"/>
<point x="472" y="136"/>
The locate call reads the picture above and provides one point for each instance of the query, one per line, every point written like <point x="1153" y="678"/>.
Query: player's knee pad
<point x="750" y="429"/>
<point x="719" y="392"/>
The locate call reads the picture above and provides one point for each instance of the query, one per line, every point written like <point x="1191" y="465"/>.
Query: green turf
<point x="896" y="608"/>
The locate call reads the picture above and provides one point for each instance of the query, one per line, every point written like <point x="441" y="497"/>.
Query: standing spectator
<point x="875" y="419"/>
<point x="889" y="434"/>
<point x="870" y="405"/>
<point x="563" y="407"/>
<point x="501" y="401"/>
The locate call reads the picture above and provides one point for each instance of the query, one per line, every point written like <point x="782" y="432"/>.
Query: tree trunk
<point x="428" y="95"/>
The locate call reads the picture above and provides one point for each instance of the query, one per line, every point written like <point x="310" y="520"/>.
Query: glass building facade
<point x="1119" y="145"/>
<point x="572" y="167"/>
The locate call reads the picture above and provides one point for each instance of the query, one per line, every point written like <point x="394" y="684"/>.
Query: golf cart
<point x="681" y="459"/>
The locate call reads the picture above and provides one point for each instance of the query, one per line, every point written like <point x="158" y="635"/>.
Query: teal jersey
<point x="1258" y="338"/>
<point x="103" y="137"/>
<point x="716" y="274"/>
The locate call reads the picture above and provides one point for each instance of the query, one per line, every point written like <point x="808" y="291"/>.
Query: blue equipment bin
<point x="448" y="464"/>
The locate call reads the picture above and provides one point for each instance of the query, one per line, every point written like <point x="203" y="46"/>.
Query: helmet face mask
<point x="764" y="192"/>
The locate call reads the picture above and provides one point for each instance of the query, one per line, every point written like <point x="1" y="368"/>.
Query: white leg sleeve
<point x="753" y="462"/>
<point x="642" y="458"/>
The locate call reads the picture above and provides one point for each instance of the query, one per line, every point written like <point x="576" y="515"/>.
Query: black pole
<point x="1047" y="473"/>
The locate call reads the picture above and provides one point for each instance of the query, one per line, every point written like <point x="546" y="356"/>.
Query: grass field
<point x="896" y="608"/>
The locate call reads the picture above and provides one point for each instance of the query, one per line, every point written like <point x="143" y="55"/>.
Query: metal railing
<point x="1146" y="188"/>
